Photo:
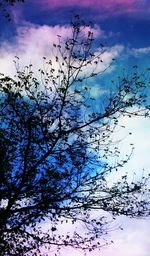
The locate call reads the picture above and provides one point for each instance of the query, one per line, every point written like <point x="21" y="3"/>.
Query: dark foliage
<point x="5" y="7"/>
<point x="54" y="149"/>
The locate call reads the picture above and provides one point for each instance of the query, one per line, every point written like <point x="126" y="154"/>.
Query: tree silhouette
<point x="5" y="7"/>
<point x="55" y="149"/>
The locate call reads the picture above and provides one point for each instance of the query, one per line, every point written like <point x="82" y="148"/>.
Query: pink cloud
<point x="114" y="6"/>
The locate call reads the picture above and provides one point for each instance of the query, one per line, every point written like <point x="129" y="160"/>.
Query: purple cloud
<point x="109" y="7"/>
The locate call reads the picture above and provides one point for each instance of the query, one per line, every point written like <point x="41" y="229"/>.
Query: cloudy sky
<point x="124" y="25"/>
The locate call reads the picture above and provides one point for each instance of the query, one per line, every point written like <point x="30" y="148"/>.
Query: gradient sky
<point x="125" y="26"/>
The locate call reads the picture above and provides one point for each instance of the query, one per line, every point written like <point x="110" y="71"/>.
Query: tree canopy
<point x="55" y="146"/>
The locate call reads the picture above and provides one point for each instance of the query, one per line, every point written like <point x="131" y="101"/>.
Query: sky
<point x="124" y="25"/>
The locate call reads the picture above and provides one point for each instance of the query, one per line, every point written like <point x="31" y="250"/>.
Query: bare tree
<point x="55" y="146"/>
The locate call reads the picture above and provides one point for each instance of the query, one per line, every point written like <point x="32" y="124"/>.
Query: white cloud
<point x="31" y="44"/>
<point x="140" y="51"/>
<point x="34" y="42"/>
<point x="136" y="132"/>
<point x="134" y="240"/>
<point x="97" y="91"/>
